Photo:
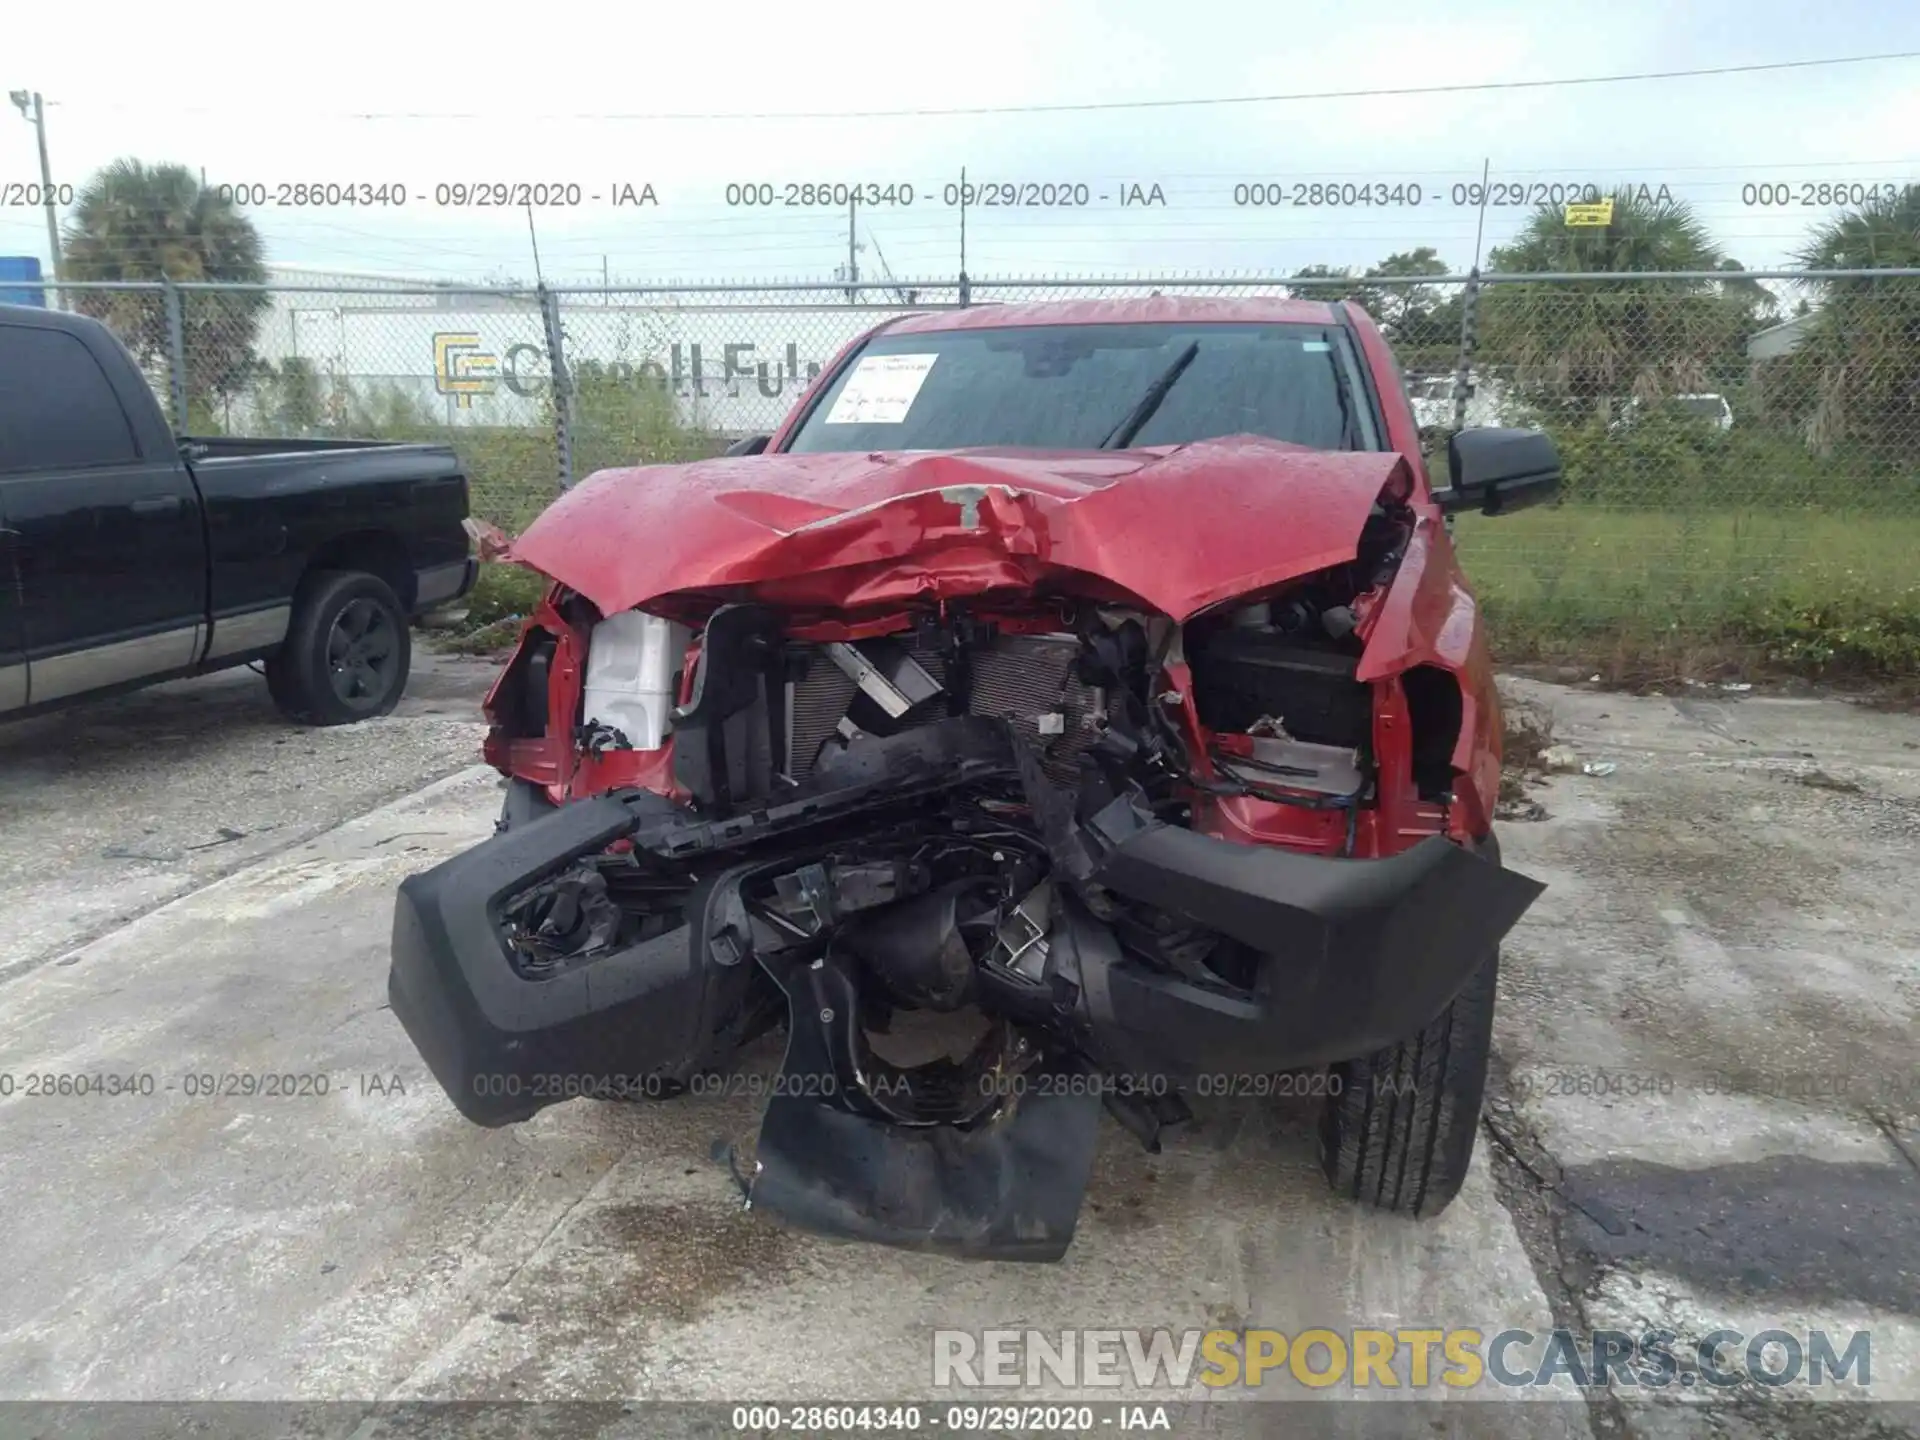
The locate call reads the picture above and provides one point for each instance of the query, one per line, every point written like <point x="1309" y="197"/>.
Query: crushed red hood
<point x="1179" y="529"/>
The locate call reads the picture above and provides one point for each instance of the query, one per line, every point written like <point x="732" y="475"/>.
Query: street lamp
<point x="31" y="110"/>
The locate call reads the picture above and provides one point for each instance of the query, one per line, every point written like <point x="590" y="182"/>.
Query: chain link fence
<point x="1742" y="448"/>
<point x="1742" y="458"/>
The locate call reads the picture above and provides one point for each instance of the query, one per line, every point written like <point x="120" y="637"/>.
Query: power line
<point x="1104" y="105"/>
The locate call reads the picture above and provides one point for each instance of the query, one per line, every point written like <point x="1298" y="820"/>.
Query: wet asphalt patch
<point x="1787" y="1227"/>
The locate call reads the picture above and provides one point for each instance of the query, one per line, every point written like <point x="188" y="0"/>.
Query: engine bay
<point x="1250" y="718"/>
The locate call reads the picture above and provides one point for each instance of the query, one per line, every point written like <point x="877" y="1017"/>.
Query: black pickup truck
<point x="129" y="555"/>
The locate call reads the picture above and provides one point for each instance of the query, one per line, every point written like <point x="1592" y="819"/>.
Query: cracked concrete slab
<point x="1709" y="1021"/>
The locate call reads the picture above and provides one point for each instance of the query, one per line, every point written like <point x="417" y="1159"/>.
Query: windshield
<point x="1070" y="387"/>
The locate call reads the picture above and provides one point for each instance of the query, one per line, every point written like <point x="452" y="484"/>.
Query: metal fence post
<point x="176" y="356"/>
<point x="562" y="387"/>
<point x="1463" y="367"/>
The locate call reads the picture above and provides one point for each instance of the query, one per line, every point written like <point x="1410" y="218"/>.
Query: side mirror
<point x="1496" y="470"/>
<point x="752" y="445"/>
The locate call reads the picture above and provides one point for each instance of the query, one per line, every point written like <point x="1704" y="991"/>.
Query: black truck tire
<point x="1398" y="1131"/>
<point x="347" y="652"/>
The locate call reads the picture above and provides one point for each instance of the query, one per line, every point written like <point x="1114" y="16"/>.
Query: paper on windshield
<point x="881" y="389"/>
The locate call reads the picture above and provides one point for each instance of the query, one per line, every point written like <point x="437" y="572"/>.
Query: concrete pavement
<point x="1709" y="1021"/>
<point x="1704" y="1115"/>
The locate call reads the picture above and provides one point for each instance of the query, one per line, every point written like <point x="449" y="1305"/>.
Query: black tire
<point x="1399" y="1133"/>
<point x="347" y="652"/>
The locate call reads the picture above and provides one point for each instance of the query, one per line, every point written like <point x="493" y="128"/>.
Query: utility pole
<point x="36" y="113"/>
<point x="1469" y="315"/>
<point x="965" y="289"/>
<point x="853" y="252"/>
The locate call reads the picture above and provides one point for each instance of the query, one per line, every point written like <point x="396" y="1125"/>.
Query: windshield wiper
<point x="1343" y="392"/>
<point x="1136" y="419"/>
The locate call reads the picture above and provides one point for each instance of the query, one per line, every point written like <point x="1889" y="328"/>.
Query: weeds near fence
<point x="1830" y="596"/>
<point x="502" y="596"/>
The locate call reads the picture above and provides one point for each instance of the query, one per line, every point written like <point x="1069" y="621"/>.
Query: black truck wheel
<point x="1398" y="1131"/>
<point x="347" y="651"/>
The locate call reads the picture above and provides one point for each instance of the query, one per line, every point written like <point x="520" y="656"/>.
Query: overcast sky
<point x="415" y="95"/>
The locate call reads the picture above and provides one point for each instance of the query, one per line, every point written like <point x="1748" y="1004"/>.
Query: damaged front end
<point x="1115" y="848"/>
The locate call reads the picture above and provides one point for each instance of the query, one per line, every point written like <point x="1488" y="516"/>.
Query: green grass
<point x="1810" y="592"/>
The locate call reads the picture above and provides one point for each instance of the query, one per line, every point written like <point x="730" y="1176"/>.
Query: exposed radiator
<point x="1019" y="678"/>
<point x="814" y="706"/>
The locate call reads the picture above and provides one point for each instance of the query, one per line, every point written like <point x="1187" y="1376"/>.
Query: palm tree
<point x="1882" y="233"/>
<point x="1580" y="344"/>
<point x="1644" y="234"/>
<point x="134" y="221"/>
<point x="1857" y="375"/>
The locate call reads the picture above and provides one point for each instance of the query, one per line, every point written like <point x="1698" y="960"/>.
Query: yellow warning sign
<point x="1599" y="212"/>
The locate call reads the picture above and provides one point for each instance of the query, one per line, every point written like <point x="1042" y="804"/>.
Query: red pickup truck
<point x="1094" y="680"/>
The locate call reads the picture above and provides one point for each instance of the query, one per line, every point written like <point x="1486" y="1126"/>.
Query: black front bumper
<point x="503" y="1046"/>
<point x="1357" y="954"/>
<point x="1362" y="953"/>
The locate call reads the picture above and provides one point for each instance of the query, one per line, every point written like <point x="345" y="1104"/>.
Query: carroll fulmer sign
<point x="463" y="368"/>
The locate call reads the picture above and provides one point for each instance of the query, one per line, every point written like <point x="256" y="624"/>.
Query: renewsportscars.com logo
<point x="1411" y="1358"/>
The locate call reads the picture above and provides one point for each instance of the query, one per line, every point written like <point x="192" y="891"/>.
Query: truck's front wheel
<point x="1398" y="1131"/>
<point x="347" y="651"/>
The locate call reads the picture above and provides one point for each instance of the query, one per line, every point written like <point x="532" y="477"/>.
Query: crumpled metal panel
<point x="1177" y="529"/>
<point x="1430" y="617"/>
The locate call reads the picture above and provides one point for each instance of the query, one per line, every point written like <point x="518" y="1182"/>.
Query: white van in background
<point x="1713" y="409"/>
<point x="1432" y="400"/>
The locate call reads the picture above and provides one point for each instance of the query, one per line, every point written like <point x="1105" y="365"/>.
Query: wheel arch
<point x="380" y="553"/>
